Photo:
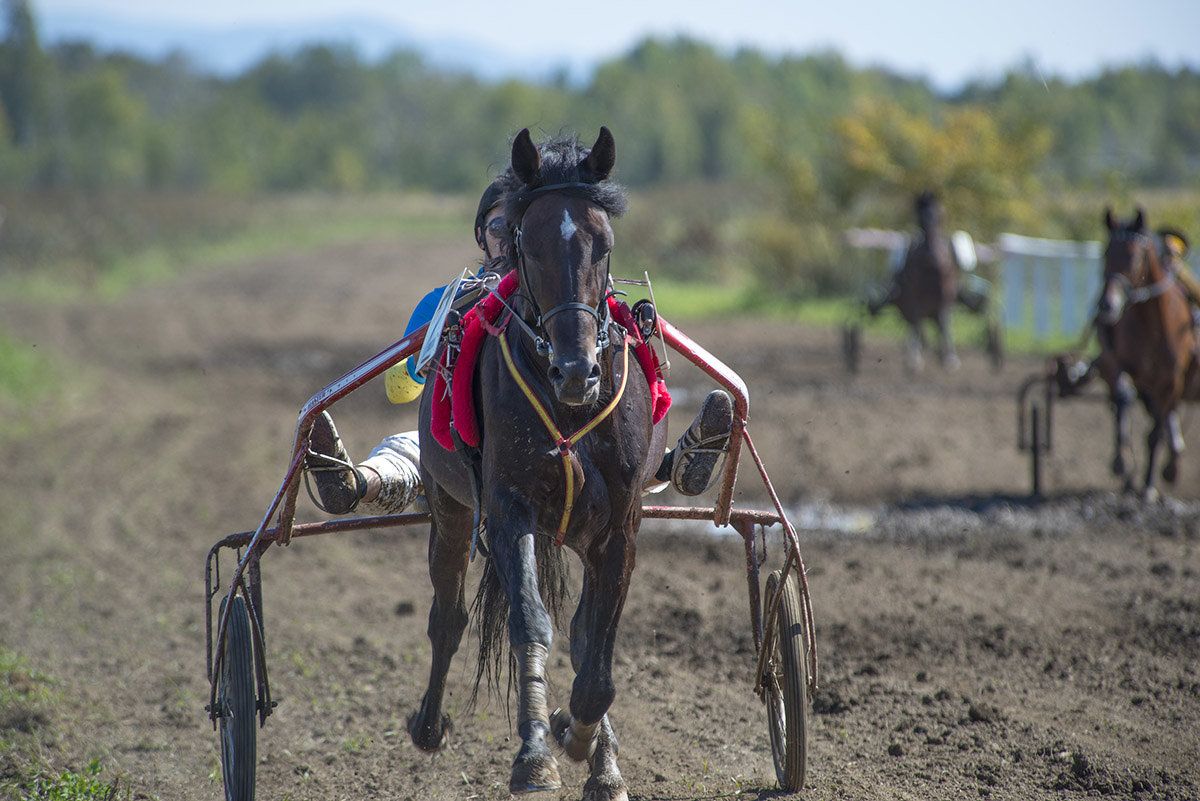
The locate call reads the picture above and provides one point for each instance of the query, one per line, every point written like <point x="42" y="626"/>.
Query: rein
<point x="564" y="444"/>
<point x="1142" y="294"/>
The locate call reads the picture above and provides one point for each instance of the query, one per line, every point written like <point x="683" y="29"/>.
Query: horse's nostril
<point x="594" y="375"/>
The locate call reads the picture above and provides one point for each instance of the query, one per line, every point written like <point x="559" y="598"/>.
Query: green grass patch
<point x="27" y="700"/>
<point x="131" y="241"/>
<point x="304" y="224"/>
<point x="70" y="786"/>
<point x="26" y="376"/>
<point x="32" y="387"/>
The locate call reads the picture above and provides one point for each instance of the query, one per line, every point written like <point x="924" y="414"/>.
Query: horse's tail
<point x="490" y="612"/>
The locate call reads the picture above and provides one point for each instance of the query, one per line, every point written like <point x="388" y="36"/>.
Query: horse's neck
<point x="1155" y="271"/>
<point x="932" y="234"/>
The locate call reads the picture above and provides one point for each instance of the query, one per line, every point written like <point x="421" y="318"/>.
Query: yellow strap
<point x="564" y="445"/>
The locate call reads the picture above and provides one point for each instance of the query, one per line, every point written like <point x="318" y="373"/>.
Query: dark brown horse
<point x="554" y="360"/>
<point x="1148" y="346"/>
<point x="926" y="286"/>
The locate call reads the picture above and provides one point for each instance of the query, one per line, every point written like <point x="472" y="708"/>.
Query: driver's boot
<point x="694" y="463"/>
<point x="340" y="485"/>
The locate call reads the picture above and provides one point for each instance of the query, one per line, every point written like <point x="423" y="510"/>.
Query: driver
<point x="1174" y="253"/>
<point x="389" y="480"/>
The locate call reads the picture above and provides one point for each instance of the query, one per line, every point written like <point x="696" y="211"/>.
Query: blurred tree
<point x="986" y="175"/>
<point x="105" y="125"/>
<point x="22" y="72"/>
<point x="844" y="141"/>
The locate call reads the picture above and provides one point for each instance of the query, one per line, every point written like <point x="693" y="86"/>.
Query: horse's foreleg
<point x="1174" y="447"/>
<point x="1122" y="397"/>
<point x="530" y="631"/>
<point x="605" y="782"/>
<point x="1150" y="493"/>
<point x="913" y="359"/>
<point x="448" y="560"/>
<point x="595" y="624"/>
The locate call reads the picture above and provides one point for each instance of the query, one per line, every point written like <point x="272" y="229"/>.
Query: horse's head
<point x="929" y="211"/>
<point x="1130" y="263"/>
<point x="561" y="215"/>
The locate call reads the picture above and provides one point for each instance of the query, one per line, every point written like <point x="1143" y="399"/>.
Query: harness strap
<point x="565" y="444"/>
<point x="1142" y="294"/>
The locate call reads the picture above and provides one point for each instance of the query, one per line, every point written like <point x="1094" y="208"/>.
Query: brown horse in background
<point x="1148" y="346"/>
<point x="926" y="286"/>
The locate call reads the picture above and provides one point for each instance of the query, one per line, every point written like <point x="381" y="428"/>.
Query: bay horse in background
<point x="926" y="286"/>
<point x="1148" y="346"/>
<point x="547" y="365"/>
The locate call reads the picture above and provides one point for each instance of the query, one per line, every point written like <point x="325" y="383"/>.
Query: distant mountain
<point x="230" y="51"/>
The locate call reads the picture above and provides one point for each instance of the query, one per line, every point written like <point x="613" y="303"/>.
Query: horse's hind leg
<point x="449" y="556"/>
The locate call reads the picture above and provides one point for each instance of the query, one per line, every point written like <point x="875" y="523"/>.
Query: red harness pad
<point x="456" y="407"/>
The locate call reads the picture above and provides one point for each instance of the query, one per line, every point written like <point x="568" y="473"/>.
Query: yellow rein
<point x="565" y="444"/>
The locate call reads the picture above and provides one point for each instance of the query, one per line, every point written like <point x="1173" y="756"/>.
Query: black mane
<point x="563" y="162"/>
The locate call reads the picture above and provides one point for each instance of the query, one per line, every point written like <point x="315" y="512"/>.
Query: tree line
<point x="819" y="139"/>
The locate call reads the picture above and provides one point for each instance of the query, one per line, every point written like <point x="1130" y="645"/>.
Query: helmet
<point x="1174" y="242"/>
<point x="400" y="383"/>
<point x="490" y="199"/>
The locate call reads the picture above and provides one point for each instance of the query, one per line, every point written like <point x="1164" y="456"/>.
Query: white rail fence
<point x="1048" y="286"/>
<point x="1049" y="283"/>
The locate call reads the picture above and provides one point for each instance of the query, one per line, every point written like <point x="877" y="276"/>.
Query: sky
<point x="948" y="42"/>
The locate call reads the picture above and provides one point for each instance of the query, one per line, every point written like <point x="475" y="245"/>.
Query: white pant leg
<point x="397" y="460"/>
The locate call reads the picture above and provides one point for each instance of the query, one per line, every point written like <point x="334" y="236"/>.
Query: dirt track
<point x="973" y="643"/>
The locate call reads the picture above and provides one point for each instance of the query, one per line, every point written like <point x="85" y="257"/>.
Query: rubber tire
<point x="787" y="695"/>
<point x="236" y="689"/>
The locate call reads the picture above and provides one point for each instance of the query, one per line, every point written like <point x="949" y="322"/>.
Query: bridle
<point x="1139" y="294"/>
<point x="563" y="445"/>
<point x="537" y="332"/>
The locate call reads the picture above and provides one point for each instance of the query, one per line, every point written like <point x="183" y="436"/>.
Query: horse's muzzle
<point x="1110" y="307"/>
<point x="576" y="382"/>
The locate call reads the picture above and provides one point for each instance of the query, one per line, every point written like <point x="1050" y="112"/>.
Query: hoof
<point x="579" y="750"/>
<point x="1170" y="473"/>
<point x="534" y="774"/>
<point x="1151" y="495"/>
<point x="426" y="737"/>
<point x="597" y="790"/>
<point x="560" y="721"/>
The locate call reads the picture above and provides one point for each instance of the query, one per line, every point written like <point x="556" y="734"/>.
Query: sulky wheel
<point x="236" y="706"/>
<point x="786" y="683"/>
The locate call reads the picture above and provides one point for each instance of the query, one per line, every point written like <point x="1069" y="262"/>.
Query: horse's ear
<point x="1139" y="222"/>
<point x="603" y="157"/>
<point x="1109" y="222"/>
<point x="525" y="159"/>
